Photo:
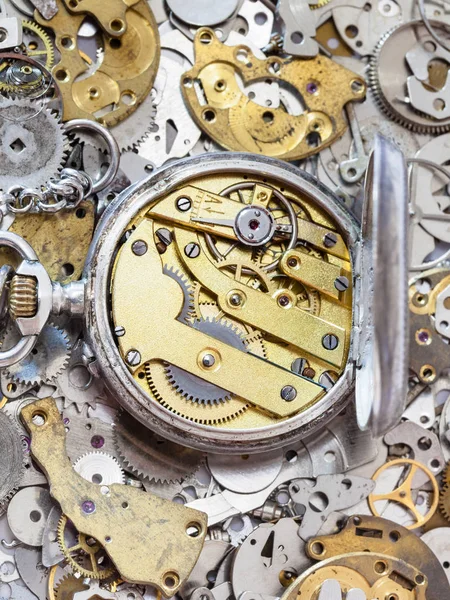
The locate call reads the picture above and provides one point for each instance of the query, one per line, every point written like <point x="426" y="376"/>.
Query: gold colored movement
<point x="223" y="333"/>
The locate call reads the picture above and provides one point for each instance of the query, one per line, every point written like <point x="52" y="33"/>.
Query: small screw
<point x="184" y="204"/>
<point x="192" y="250"/>
<point x="341" y="284"/>
<point x="88" y="507"/>
<point x="139" y="248"/>
<point x="288" y="393"/>
<point x="330" y="341"/>
<point x="119" y="331"/>
<point x="235" y="300"/>
<point x="327" y="380"/>
<point x="330" y="240"/>
<point x="298" y="365"/>
<point x="164" y="236"/>
<point x="292" y="262"/>
<point x="133" y="358"/>
<point x="208" y="360"/>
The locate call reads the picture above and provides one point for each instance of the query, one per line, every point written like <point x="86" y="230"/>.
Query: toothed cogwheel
<point x="13" y="464"/>
<point x="205" y="414"/>
<point x="150" y="456"/>
<point x="100" y="468"/>
<point x="84" y="554"/>
<point x="446" y="474"/>
<point x="33" y="144"/>
<point x="444" y="502"/>
<point x="38" y="44"/>
<point x="187" y="312"/>
<point x="68" y="586"/>
<point x="129" y="132"/>
<point x="387" y="77"/>
<point x="45" y="362"/>
<point x="194" y="388"/>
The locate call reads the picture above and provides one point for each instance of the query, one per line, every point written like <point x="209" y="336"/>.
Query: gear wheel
<point x="183" y="281"/>
<point x="45" y="362"/>
<point x="206" y="414"/>
<point x="99" y="468"/>
<point x="194" y="388"/>
<point x="68" y="586"/>
<point x="446" y="474"/>
<point x="129" y="132"/>
<point x="12" y="467"/>
<point x="444" y="501"/>
<point x="84" y="554"/>
<point x="38" y="44"/>
<point x="150" y="456"/>
<point x="33" y="144"/>
<point x="387" y="75"/>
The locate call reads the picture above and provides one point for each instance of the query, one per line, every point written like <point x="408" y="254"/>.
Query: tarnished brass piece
<point x="23" y="300"/>
<point x="363" y="533"/>
<point x="267" y="318"/>
<point x="403" y="493"/>
<point x="427" y="349"/>
<point x="61" y="240"/>
<point x="225" y="113"/>
<point x="111" y="15"/>
<point x="379" y="576"/>
<point x="126" y="74"/>
<point x="150" y="540"/>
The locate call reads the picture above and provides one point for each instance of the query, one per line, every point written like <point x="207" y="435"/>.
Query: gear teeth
<point x="15" y="375"/>
<point x="382" y="102"/>
<point x="446" y="474"/>
<point x="188" y="311"/>
<point x="32" y="26"/>
<point x="444" y="502"/>
<point x="112" y="459"/>
<point x="101" y="574"/>
<point x="209" y="421"/>
<point x="20" y="470"/>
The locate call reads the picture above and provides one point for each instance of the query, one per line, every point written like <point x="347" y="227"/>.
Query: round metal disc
<point x="28" y="513"/>
<point x="203" y="12"/>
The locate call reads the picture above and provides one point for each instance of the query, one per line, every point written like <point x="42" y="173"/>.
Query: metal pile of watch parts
<point x="231" y="381"/>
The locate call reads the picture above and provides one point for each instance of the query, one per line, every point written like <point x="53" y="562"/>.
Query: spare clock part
<point x="230" y="301"/>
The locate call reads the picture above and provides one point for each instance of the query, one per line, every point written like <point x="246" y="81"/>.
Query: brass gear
<point x="86" y="551"/>
<point x="48" y="50"/>
<point x="444" y="501"/>
<point x="446" y="475"/>
<point x="205" y="414"/>
<point x="68" y="586"/>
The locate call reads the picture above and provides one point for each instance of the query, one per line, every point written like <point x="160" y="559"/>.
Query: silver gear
<point x="194" y="388"/>
<point x="129" y="132"/>
<point x="187" y="312"/>
<point x="150" y="456"/>
<point x="76" y="385"/>
<point x="33" y="144"/>
<point x="100" y="468"/>
<point x="414" y="121"/>
<point x="45" y="362"/>
<point x="12" y="467"/>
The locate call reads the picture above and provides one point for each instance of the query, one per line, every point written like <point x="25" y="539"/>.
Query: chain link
<point x="65" y="192"/>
